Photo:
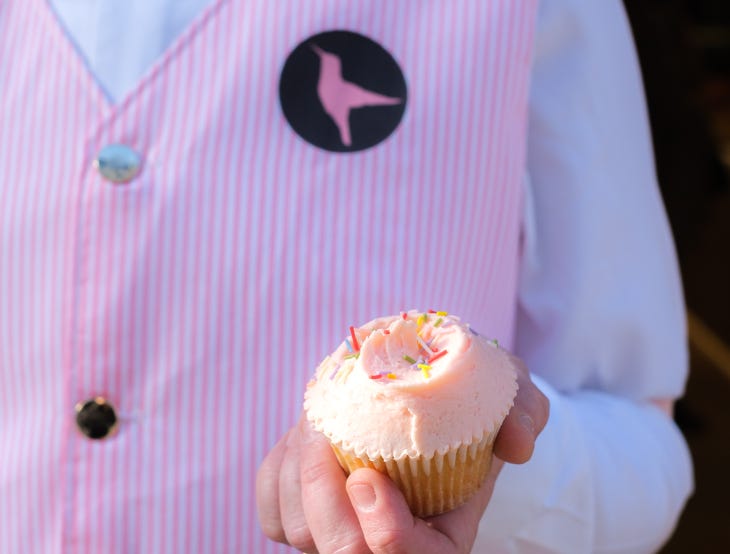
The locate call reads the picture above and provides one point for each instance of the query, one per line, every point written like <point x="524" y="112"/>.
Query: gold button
<point x="96" y="418"/>
<point x="118" y="163"/>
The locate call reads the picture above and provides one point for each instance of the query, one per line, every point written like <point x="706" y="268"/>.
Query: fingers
<point x="279" y="496"/>
<point x="301" y="498"/>
<point x="267" y="491"/>
<point x="329" y="514"/>
<point x="389" y="527"/>
<point x="291" y="509"/>
<point x="527" y="418"/>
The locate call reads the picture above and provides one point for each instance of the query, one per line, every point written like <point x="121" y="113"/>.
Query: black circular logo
<point x="342" y="92"/>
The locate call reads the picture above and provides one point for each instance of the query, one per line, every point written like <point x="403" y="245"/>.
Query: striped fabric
<point x="199" y="297"/>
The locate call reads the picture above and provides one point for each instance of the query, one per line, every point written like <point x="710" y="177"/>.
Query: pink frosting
<point x="411" y="386"/>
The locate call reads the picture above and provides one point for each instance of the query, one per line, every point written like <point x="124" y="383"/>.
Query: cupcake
<point x="419" y="396"/>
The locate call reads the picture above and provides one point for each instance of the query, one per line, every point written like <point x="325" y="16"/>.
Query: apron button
<point x="118" y="163"/>
<point x="96" y="418"/>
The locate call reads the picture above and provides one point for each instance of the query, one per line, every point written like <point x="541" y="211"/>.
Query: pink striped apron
<point x="198" y="297"/>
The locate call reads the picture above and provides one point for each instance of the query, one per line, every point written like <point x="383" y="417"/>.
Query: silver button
<point x="118" y="163"/>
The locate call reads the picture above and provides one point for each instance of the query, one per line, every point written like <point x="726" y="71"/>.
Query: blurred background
<point x="684" y="49"/>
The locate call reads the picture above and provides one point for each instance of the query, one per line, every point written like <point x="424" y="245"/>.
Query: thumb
<point x="386" y="521"/>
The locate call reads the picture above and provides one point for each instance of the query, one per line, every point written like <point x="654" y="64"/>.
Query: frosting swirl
<point x="411" y="385"/>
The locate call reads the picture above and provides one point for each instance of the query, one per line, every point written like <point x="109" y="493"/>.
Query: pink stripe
<point x="224" y="336"/>
<point x="217" y="531"/>
<point x="447" y="176"/>
<point x="363" y="180"/>
<point x="14" y="203"/>
<point x="169" y="351"/>
<point x="492" y="156"/>
<point x="244" y="195"/>
<point x="499" y="151"/>
<point x="239" y="406"/>
<point x="179" y="536"/>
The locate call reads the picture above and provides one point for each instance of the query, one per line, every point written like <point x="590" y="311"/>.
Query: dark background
<point x="684" y="49"/>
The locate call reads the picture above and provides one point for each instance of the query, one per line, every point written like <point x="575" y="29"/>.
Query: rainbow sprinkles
<point x="403" y="349"/>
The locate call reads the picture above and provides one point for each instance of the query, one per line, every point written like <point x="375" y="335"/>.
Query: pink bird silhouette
<point x="339" y="97"/>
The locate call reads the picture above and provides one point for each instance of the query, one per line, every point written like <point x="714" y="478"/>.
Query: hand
<point x="305" y="499"/>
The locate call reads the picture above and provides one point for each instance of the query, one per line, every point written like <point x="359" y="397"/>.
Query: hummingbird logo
<point x="339" y="96"/>
<point x="342" y="92"/>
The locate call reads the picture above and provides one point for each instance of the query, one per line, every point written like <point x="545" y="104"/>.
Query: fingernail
<point x="362" y="495"/>
<point x="527" y="422"/>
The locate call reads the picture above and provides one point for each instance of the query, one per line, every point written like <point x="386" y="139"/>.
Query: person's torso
<point x="304" y="167"/>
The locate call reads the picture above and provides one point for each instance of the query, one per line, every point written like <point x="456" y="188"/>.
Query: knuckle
<point x="299" y="537"/>
<point x="388" y="540"/>
<point x="313" y="473"/>
<point x="273" y="530"/>
<point x="346" y="544"/>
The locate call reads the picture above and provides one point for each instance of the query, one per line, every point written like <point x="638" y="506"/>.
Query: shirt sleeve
<point x="601" y="304"/>
<point x="601" y="313"/>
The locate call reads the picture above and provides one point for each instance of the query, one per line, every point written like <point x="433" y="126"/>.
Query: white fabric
<point x="601" y="299"/>
<point x="608" y="476"/>
<point x="120" y="41"/>
<point x="601" y="305"/>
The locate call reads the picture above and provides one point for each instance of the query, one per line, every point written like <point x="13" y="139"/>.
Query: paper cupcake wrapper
<point x="431" y="485"/>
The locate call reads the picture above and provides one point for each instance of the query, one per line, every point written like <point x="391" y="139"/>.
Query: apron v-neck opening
<point x="112" y="95"/>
